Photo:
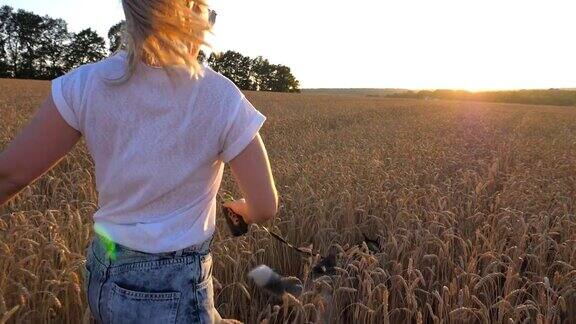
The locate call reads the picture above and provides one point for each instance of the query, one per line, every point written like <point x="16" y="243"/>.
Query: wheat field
<point x="473" y="204"/>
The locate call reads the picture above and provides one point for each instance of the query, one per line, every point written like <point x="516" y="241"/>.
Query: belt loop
<point x="178" y="253"/>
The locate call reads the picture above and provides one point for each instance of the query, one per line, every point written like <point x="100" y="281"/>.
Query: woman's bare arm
<point x="38" y="147"/>
<point x="253" y="174"/>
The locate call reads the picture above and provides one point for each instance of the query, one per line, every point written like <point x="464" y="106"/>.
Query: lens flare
<point x="106" y="241"/>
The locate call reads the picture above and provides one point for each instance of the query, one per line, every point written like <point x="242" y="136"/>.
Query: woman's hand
<point x="239" y="207"/>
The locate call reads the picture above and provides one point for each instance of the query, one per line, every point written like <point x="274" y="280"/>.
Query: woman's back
<point x="159" y="138"/>
<point x="158" y="147"/>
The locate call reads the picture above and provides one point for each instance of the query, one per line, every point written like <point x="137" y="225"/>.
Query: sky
<point x="415" y="44"/>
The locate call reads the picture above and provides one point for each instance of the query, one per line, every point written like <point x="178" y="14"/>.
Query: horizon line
<point x="452" y="89"/>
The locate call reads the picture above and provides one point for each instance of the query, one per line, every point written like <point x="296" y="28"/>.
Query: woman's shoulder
<point x="220" y="85"/>
<point x="218" y="79"/>
<point x="107" y="66"/>
<point x="111" y="67"/>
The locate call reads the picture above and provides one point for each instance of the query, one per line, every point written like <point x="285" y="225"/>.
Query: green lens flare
<point x="106" y="241"/>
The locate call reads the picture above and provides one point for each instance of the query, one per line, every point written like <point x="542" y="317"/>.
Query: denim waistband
<point x="111" y="252"/>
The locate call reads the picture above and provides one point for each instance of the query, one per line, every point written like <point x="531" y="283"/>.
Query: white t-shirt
<point x="159" y="148"/>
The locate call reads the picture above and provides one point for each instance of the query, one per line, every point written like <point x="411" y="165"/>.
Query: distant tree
<point x="556" y="97"/>
<point x="24" y="32"/>
<point x="53" y="47"/>
<point x="260" y="74"/>
<point x="115" y="36"/>
<point x="282" y="80"/>
<point x="4" y="67"/>
<point x="31" y="46"/>
<point x="201" y="57"/>
<point x="234" y="66"/>
<point x="254" y="74"/>
<point x="38" y="47"/>
<point x="85" y="47"/>
<point x="5" y="20"/>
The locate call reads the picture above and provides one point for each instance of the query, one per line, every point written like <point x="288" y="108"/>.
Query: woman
<point x="159" y="127"/>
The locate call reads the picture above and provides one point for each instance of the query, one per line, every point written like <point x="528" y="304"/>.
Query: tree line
<point x="41" y="47"/>
<point x="35" y="47"/>
<point x="256" y="74"/>
<point x="555" y="97"/>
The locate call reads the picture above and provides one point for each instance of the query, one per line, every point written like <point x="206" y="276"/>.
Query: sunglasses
<point x="196" y="8"/>
<point x="212" y="14"/>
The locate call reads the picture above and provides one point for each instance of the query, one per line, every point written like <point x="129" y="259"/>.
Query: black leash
<point x="283" y="240"/>
<point x="325" y="266"/>
<point x="238" y="227"/>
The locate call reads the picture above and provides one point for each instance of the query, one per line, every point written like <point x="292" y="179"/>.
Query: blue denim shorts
<point x="127" y="286"/>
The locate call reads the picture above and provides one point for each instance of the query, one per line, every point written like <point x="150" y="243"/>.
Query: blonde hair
<point x="164" y="33"/>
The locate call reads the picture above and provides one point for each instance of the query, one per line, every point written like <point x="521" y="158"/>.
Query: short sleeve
<point x="244" y="123"/>
<point x="62" y="100"/>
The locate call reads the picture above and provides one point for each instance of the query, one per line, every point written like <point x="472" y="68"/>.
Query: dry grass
<point x="474" y="205"/>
